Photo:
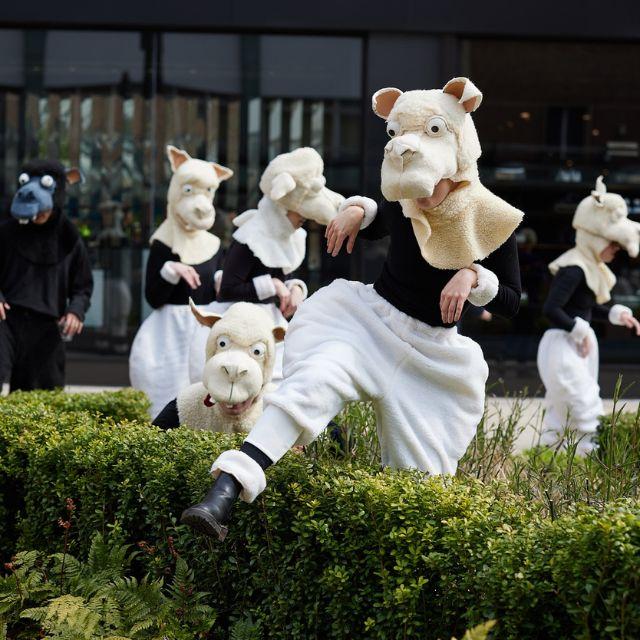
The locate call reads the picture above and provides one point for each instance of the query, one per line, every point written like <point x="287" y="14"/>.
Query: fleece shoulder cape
<point x="193" y="247"/>
<point x="271" y="237"/>
<point x="466" y="227"/>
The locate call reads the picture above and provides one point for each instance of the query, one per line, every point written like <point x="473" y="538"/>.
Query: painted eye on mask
<point x="436" y="127"/>
<point x="223" y="342"/>
<point x="393" y="129"/>
<point x="47" y="182"/>
<point x="258" y="349"/>
<point x="23" y="179"/>
<point x="187" y="189"/>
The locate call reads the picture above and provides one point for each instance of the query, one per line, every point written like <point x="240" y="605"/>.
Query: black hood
<point x="51" y="242"/>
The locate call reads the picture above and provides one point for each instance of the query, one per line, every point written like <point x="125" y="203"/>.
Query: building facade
<point x="106" y="87"/>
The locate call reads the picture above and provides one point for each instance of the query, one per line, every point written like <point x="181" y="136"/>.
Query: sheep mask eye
<point x="436" y="127"/>
<point x="223" y="342"/>
<point x="393" y="128"/>
<point x="258" y="349"/>
<point x="23" y="179"/>
<point x="187" y="189"/>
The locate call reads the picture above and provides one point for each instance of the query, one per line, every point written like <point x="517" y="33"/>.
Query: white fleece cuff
<point x="244" y="469"/>
<point x="580" y="330"/>
<point x="616" y="312"/>
<point x="487" y="288"/>
<point x="264" y="287"/>
<point x="217" y="280"/>
<point x="370" y="208"/>
<point x="168" y="273"/>
<point x="295" y="282"/>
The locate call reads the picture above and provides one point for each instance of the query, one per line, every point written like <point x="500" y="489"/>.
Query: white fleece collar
<point x="586" y="255"/>
<point x="193" y="246"/>
<point x="466" y="227"/>
<point x="271" y="237"/>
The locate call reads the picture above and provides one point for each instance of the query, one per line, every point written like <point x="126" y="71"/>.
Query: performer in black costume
<point x="45" y="279"/>
<point x="394" y="343"/>
<point x="269" y="245"/>
<point x="582" y="284"/>
<point x="183" y="260"/>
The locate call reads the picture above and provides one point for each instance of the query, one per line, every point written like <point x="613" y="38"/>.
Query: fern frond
<point x="481" y="632"/>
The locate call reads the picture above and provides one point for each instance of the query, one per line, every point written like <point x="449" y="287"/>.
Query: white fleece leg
<point x="274" y="433"/>
<point x="572" y="397"/>
<point x="245" y="470"/>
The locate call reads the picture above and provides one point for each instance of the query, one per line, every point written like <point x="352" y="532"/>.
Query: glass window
<point x="110" y="101"/>
<point x="555" y="115"/>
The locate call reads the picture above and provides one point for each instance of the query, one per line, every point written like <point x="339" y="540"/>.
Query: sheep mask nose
<point x="33" y="197"/>
<point x="233" y="371"/>
<point x="402" y="147"/>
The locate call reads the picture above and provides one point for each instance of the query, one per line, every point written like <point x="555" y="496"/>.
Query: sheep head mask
<point x="190" y="210"/>
<point x="432" y="138"/>
<point x="599" y="219"/>
<point x="605" y="215"/>
<point x="240" y="355"/>
<point x="296" y="182"/>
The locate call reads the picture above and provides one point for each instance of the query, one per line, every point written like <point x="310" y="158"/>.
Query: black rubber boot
<point x="212" y="514"/>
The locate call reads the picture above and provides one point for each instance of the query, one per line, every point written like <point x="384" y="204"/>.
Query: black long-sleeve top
<point x="159" y="291"/>
<point x="241" y="266"/>
<point x="413" y="286"/>
<point x="52" y="289"/>
<point x="569" y="297"/>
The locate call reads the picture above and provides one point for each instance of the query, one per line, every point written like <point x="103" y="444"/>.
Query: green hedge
<point x="35" y="418"/>
<point x="334" y="550"/>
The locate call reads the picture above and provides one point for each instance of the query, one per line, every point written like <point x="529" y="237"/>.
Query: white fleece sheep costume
<point x="159" y="360"/>
<point x="240" y="356"/>
<point x="347" y="342"/>
<point x="572" y="398"/>
<point x="292" y="181"/>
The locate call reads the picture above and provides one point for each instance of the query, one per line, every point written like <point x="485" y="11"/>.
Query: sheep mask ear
<point x="279" y="333"/>
<point x="223" y="173"/>
<point x="281" y="185"/>
<point x="468" y="95"/>
<point x="599" y="191"/>
<point x="176" y="157"/>
<point x="383" y="100"/>
<point x="205" y="318"/>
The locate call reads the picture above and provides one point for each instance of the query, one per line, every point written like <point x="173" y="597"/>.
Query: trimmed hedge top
<point x="330" y="550"/>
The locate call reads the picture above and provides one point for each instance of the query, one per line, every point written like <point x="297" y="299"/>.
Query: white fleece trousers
<point x="572" y="398"/>
<point x="159" y="359"/>
<point x="347" y="343"/>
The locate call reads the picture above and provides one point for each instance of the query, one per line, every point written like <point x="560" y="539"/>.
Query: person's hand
<point x="71" y="325"/>
<point x="584" y="347"/>
<point x="187" y="273"/>
<point x="344" y="226"/>
<point x="630" y="322"/>
<point x="455" y="294"/>
<point x="295" y="300"/>
<point x="283" y="294"/>
<point x="4" y="307"/>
